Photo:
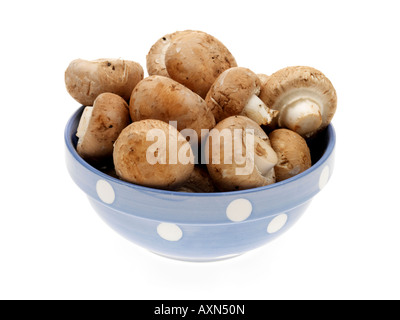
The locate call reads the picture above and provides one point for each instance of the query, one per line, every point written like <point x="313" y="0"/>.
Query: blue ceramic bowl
<point x="200" y="226"/>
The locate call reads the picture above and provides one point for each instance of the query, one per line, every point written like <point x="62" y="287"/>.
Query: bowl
<point x="200" y="226"/>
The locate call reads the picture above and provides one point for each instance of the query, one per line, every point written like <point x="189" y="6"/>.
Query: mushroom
<point x="109" y="170"/>
<point x="274" y="123"/>
<point x="235" y="92"/>
<point x="244" y="160"/>
<point x="192" y="58"/>
<point x="198" y="181"/>
<point x="293" y="153"/>
<point x="100" y="126"/>
<point x="305" y="98"/>
<point x="161" y="98"/>
<point x="263" y="79"/>
<point x="155" y="59"/>
<point x="85" y="80"/>
<point x="163" y="164"/>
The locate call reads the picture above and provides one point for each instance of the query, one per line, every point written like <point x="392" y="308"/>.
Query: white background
<point x="346" y="246"/>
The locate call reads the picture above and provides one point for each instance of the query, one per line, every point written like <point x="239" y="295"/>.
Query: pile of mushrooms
<point x="198" y="122"/>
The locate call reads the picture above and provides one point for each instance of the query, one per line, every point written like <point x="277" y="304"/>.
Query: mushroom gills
<point x="258" y="111"/>
<point x="265" y="158"/>
<point x="302" y="115"/>
<point x="84" y="122"/>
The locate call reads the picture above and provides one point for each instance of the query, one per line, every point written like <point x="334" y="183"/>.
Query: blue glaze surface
<point x="207" y="232"/>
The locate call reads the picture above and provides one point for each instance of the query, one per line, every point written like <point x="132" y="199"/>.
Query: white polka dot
<point x="277" y="223"/>
<point x="105" y="191"/>
<point x="169" y="231"/>
<point x="324" y="177"/>
<point x="239" y="210"/>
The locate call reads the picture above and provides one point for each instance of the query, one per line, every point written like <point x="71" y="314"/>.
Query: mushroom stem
<point x="257" y="111"/>
<point x="302" y="116"/>
<point x="265" y="158"/>
<point x="84" y="122"/>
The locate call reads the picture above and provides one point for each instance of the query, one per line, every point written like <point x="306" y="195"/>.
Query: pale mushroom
<point x="142" y="155"/>
<point x="240" y="155"/>
<point x="293" y="153"/>
<point x="85" y="80"/>
<point x="161" y="98"/>
<point x="304" y="96"/>
<point x="100" y="126"/>
<point x="235" y="92"/>
<point x="192" y="58"/>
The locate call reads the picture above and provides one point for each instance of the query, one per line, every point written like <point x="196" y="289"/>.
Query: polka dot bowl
<point x="200" y="226"/>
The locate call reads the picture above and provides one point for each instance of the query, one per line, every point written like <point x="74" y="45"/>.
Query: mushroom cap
<point x="224" y="173"/>
<point x="288" y="84"/>
<point x="198" y="181"/>
<point x="293" y="153"/>
<point x="85" y="80"/>
<point x="161" y="98"/>
<point x="130" y="155"/>
<point x="155" y="59"/>
<point x="109" y="117"/>
<point x="195" y="59"/>
<point x="231" y="92"/>
<point x="263" y="78"/>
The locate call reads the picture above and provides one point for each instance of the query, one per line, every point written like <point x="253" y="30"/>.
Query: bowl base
<point x="189" y="259"/>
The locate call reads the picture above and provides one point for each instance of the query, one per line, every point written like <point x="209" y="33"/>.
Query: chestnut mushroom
<point x="162" y="98"/>
<point x="244" y="160"/>
<point x="109" y="170"/>
<point x="85" y="80"/>
<point x="304" y="96"/>
<point x="198" y="181"/>
<point x="274" y="123"/>
<point x="155" y="59"/>
<point x="293" y="153"/>
<point x="100" y="126"/>
<point x="263" y="79"/>
<point x="140" y="160"/>
<point x="235" y="92"/>
<point x="192" y="58"/>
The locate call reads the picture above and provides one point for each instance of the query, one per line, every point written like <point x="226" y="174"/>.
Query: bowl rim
<point x="68" y="141"/>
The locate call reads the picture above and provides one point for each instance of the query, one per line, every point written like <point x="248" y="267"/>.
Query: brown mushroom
<point x="293" y="153"/>
<point x="235" y="92"/>
<point x="158" y="97"/>
<point x="85" y="80"/>
<point x="263" y="79"/>
<point x="199" y="181"/>
<point x="140" y="160"/>
<point x="240" y="155"/>
<point x="155" y="59"/>
<point x="192" y="58"/>
<point x="109" y="170"/>
<point x="100" y="126"/>
<point x="274" y="123"/>
<point x="304" y="96"/>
